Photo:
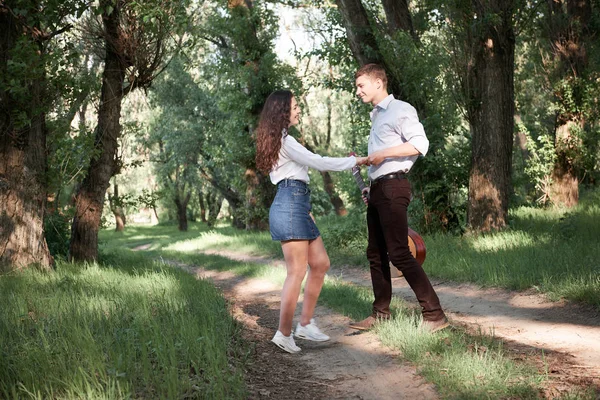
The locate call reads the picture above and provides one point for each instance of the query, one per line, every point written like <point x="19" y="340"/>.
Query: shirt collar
<point x="383" y="104"/>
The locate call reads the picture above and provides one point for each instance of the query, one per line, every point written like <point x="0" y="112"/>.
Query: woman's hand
<point x="362" y="160"/>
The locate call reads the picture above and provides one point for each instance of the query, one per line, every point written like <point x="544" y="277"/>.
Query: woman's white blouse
<point x="295" y="159"/>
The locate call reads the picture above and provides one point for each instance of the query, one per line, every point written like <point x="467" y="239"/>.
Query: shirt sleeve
<point x="412" y="130"/>
<point x="298" y="153"/>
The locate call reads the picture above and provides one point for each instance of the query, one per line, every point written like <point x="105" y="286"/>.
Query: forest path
<point x="349" y="366"/>
<point x="564" y="335"/>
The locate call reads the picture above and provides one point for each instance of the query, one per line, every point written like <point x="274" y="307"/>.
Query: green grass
<point x="462" y="366"/>
<point x="133" y="327"/>
<point x="551" y="251"/>
<point x="128" y="328"/>
<point x="453" y="360"/>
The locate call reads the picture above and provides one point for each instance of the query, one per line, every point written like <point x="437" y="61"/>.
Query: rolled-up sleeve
<point x="412" y="130"/>
<point x="298" y="153"/>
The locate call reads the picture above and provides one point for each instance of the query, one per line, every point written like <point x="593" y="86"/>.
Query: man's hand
<point x="365" y="195"/>
<point x="376" y="158"/>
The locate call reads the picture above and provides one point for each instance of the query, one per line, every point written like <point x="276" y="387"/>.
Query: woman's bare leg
<point x="318" y="260"/>
<point x="296" y="254"/>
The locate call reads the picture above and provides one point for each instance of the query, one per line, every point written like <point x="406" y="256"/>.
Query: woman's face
<point x="294" y="113"/>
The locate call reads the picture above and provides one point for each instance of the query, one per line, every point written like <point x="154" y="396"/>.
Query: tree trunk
<point x="119" y="219"/>
<point x="182" y="211"/>
<point x="568" y="31"/>
<point x="154" y="216"/>
<point x="22" y="163"/>
<point x="256" y="196"/>
<point x="358" y="31"/>
<point x="89" y="199"/>
<point x="491" y="113"/>
<point x="364" y="46"/>
<point x="336" y="201"/>
<point x="117" y="210"/>
<point x="214" y="202"/>
<point x="398" y="17"/>
<point x="202" y="206"/>
<point x="564" y="189"/>
<point x="254" y="51"/>
<point x="236" y="203"/>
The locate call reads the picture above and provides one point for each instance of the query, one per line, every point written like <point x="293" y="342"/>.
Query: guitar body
<point x="416" y="246"/>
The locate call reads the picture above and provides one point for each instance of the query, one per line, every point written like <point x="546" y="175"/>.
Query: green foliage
<point x="545" y="249"/>
<point x="57" y="231"/>
<point x="128" y="328"/>
<point x="440" y="178"/>
<point x="346" y="233"/>
<point x="30" y="59"/>
<point x="539" y="166"/>
<point x="207" y="106"/>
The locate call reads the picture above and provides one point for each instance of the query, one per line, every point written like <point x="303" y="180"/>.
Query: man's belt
<point x="393" y="175"/>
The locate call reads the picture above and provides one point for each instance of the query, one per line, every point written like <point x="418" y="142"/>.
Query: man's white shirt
<point x="394" y="122"/>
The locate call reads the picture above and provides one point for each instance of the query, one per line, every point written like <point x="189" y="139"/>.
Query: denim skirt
<point x="289" y="217"/>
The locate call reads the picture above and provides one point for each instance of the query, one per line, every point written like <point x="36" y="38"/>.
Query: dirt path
<point x="564" y="336"/>
<point x="349" y="366"/>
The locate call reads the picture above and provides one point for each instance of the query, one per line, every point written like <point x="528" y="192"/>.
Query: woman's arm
<point x="298" y="153"/>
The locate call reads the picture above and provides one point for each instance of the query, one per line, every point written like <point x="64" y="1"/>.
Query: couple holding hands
<point x="396" y="140"/>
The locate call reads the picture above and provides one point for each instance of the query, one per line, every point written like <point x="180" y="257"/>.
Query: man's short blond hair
<point x="373" y="71"/>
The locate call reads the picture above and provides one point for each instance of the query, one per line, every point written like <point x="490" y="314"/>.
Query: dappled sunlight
<point x="525" y="318"/>
<point x="213" y="239"/>
<point x="97" y="327"/>
<point x="197" y="244"/>
<point x="148" y="237"/>
<point x="508" y="240"/>
<point x="479" y="363"/>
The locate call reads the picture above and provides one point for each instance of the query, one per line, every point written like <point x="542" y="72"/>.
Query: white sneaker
<point x="285" y="342"/>
<point x="311" y="332"/>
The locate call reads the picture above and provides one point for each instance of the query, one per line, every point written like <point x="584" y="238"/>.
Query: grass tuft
<point x="125" y="328"/>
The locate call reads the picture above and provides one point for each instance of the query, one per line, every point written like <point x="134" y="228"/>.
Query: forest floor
<point x="559" y="337"/>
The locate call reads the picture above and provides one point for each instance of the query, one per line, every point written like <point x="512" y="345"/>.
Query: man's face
<point x="367" y="88"/>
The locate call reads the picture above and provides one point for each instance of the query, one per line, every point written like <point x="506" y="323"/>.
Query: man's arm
<point x="411" y="129"/>
<point x="402" y="150"/>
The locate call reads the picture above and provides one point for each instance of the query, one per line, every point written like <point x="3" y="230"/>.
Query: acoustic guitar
<point x="416" y="244"/>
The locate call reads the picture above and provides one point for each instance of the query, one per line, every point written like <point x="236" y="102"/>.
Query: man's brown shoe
<point x="367" y="323"/>
<point x="434" y="326"/>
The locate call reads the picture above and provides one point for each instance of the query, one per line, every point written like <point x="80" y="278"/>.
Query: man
<point x="396" y="140"/>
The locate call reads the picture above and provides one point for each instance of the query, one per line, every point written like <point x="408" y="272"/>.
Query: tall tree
<point x="568" y="30"/>
<point x="24" y="101"/>
<point x="248" y="71"/>
<point x="398" y="17"/>
<point x="362" y="38"/>
<point x="137" y="42"/>
<point x="485" y="42"/>
<point x="413" y="70"/>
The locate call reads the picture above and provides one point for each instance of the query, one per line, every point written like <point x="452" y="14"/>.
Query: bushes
<point x="57" y="229"/>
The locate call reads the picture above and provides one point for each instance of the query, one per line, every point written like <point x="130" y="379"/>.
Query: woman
<point x="290" y="219"/>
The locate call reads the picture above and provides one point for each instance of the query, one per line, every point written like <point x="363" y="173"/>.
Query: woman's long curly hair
<point x="274" y="118"/>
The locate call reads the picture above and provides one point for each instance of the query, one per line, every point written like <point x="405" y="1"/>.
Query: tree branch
<point x="50" y="35"/>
